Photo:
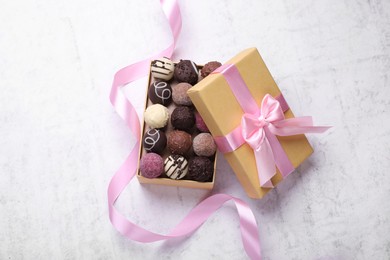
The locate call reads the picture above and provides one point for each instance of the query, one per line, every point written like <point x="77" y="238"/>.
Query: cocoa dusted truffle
<point x="204" y="145"/>
<point x="179" y="94"/>
<point x="160" y="92"/>
<point x="200" y="169"/>
<point x="151" y="165"/>
<point x="209" y="67"/>
<point x="183" y="118"/>
<point x="186" y="71"/>
<point x="155" y="141"/>
<point x="179" y="142"/>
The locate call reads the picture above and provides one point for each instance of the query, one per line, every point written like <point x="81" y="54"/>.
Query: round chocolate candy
<point x="176" y="167"/>
<point x="162" y="68"/>
<point x="151" y="165"/>
<point x="160" y="92"/>
<point x="200" y="124"/>
<point x="156" y="116"/>
<point x="183" y="118"/>
<point x="200" y="169"/>
<point x="204" y="145"/>
<point x="186" y="71"/>
<point x="155" y="141"/>
<point x="179" y="94"/>
<point x="209" y="67"/>
<point x="179" y="142"/>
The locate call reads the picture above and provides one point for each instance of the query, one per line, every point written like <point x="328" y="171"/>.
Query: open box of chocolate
<point x="177" y="148"/>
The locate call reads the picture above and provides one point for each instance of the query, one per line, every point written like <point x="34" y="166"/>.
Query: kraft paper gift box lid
<point x="222" y="113"/>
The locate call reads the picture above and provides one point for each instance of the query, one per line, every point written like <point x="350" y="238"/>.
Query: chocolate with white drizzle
<point x="160" y="92"/>
<point x="176" y="167"/>
<point x="186" y="71"/>
<point x="155" y="141"/>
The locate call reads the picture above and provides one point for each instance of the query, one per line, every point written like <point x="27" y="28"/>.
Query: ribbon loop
<point x="252" y="130"/>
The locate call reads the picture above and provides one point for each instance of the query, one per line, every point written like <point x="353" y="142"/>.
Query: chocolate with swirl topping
<point x="155" y="141"/>
<point x="160" y="92"/>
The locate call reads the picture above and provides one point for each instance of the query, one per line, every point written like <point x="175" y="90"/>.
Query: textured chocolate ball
<point x="186" y="71"/>
<point x="204" y="145"/>
<point x="176" y="167"/>
<point x="179" y="94"/>
<point x="155" y="141"/>
<point x="200" y="124"/>
<point x="209" y="67"/>
<point x="162" y="68"/>
<point x="200" y="169"/>
<point x="160" y="92"/>
<point x="156" y="116"/>
<point x="151" y="165"/>
<point x="179" y="142"/>
<point x="183" y="118"/>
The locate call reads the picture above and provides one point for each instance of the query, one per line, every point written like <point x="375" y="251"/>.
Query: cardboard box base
<point x="165" y="180"/>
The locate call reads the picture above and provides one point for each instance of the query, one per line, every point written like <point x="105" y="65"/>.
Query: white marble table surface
<point x="61" y="141"/>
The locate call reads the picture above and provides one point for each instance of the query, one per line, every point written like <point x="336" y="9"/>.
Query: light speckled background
<point x="61" y="141"/>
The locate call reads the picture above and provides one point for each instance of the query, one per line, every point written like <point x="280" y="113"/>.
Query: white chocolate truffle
<point x="162" y="68"/>
<point x="156" y="116"/>
<point x="176" y="167"/>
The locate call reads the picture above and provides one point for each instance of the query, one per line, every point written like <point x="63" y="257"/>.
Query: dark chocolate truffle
<point x="179" y="142"/>
<point x="179" y="94"/>
<point x="183" y="118"/>
<point x="151" y="165"/>
<point x="155" y="141"/>
<point x="176" y="167"/>
<point x="186" y="71"/>
<point x="209" y="67"/>
<point x="204" y="145"/>
<point x="200" y="169"/>
<point x="160" y="92"/>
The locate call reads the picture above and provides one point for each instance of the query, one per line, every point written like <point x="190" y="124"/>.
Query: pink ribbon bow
<point x="254" y="133"/>
<point x="259" y="130"/>
<point x="259" y="127"/>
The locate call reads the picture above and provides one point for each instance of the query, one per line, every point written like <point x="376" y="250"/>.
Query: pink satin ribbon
<point x="199" y="214"/>
<point x="259" y="127"/>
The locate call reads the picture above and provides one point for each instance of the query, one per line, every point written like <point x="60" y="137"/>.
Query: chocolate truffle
<point x="162" y="68"/>
<point x="155" y="141"/>
<point x="204" y="145"/>
<point x="160" y="92"/>
<point x="156" y="116"/>
<point x="151" y="165"/>
<point x="200" y="169"/>
<point x="179" y="94"/>
<point x="183" y="118"/>
<point x="200" y="124"/>
<point x="179" y="142"/>
<point x="186" y="71"/>
<point x="176" y="167"/>
<point x="209" y="67"/>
